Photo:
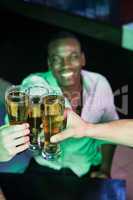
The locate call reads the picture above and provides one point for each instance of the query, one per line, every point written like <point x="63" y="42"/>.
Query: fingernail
<point x="27" y="139"/>
<point x="28" y="144"/>
<point x="27" y="131"/>
<point x="53" y="139"/>
<point x="26" y="125"/>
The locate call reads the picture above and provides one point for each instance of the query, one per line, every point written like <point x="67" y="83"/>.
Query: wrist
<point x="96" y="131"/>
<point x="92" y="130"/>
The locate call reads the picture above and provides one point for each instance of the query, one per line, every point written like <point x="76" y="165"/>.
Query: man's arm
<point x="116" y="132"/>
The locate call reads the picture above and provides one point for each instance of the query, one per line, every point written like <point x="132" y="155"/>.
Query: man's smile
<point x="67" y="74"/>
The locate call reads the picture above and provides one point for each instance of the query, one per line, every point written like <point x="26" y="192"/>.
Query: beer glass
<point x="17" y="104"/>
<point x="53" y="122"/>
<point x="35" y="93"/>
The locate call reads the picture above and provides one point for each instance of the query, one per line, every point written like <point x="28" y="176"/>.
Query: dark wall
<point x="23" y="45"/>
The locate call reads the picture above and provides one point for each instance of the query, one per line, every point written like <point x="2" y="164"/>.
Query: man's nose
<point x="66" y="62"/>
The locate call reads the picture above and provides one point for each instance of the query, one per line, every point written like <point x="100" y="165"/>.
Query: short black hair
<point x="63" y="35"/>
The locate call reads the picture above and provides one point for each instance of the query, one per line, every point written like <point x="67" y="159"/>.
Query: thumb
<point x="62" y="136"/>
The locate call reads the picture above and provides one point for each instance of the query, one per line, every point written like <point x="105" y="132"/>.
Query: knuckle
<point x="27" y="138"/>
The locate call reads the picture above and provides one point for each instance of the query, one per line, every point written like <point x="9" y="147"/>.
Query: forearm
<point x="119" y="132"/>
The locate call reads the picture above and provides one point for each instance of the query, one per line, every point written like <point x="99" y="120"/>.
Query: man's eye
<point x="55" y="60"/>
<point x="74" y="57"/>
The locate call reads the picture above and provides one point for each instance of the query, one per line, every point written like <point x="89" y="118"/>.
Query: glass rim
<point x="35" y="92"/>
<point x="14" y="88"/>
<point x="54" y="91"/>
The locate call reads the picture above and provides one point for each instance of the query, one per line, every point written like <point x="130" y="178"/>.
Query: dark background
<point x="23" y="44"/>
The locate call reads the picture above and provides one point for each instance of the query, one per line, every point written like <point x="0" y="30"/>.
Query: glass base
<point x="34" y="149"/>
<point x="51" y="156"/>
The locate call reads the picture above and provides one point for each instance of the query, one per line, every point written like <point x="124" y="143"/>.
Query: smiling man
<point x="65" y="60"/>
<point x="90" y="96"/>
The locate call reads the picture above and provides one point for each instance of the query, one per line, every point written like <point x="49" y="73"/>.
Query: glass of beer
<point x="35" y="93"/>
<point x="53" y="122"/>
<point x="17" y="104"/>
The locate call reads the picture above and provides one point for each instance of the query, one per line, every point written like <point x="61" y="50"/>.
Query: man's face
<point x="65" y="60"/>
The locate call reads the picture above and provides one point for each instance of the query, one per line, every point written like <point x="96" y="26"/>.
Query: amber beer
<point x="35" y="121"/>
<point x="53" y="119"/>
<point x="17" y="103"/>
<point x="35" y="93"/>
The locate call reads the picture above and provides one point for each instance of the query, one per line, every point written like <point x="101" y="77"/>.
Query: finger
<point x="19" y="127"/>
<point x="22" y="148"/>
<point x="9" y="140"/>
<point x="62" y="136"/>
<point x="21" y="141"/>
<point x="8" y="130"/>
<point x="20" y="134"/>
<point x="13" y="150"/>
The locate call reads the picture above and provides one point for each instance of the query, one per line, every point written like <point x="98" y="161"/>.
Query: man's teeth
<point x="67" y="74"/>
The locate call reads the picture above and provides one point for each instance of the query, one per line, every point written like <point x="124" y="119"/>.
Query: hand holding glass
<point x="17" y="104"/>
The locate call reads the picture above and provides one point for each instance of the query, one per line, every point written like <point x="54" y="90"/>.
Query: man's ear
<point x="83" y="59"/>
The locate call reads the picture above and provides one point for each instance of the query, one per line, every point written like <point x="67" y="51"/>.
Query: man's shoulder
<point x="37" y="77"/>
<point x="37" y="74"/>
<point x="93" y="76"/>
